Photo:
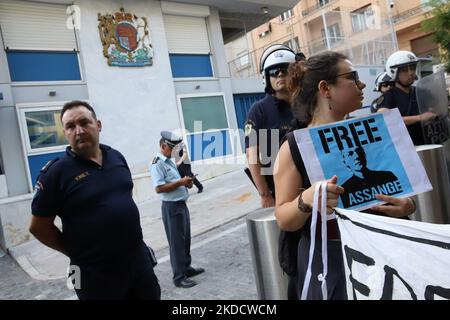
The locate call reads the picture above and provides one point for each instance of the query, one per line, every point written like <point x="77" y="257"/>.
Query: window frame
<point x="183" y="126"/>
<point x="22" y="109"/>
<point x="286" y="15"/>
<point x="52" y="83"/>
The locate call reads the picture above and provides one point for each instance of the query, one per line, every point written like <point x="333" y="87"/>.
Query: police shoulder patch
<point x="48" y="165"/>
<point x="155" y="160"/>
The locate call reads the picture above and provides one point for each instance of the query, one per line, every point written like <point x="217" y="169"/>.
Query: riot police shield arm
<point x="407" y="119"/>
<point x="45" y="230"/>
<point x="259" y="180"/>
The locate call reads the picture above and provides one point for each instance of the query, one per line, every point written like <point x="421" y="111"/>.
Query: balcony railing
<point x="316" y="7"/>
<point x="410" y="13"/>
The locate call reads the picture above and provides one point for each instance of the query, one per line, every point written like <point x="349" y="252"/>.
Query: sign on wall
<point x="394" y="259"/>
<point x="125" y="39"/>
<point x="370" y="155"/>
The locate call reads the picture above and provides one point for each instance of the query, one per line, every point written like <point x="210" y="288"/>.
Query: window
<point x="39" y="41"/>
<point x="286" y="15"/>
<point x="363" y="19"/>
<point x="207" y="111"/>
<point x="293" y="44"/>
<point x="189" y="49"/>
<point x="205" y="120"/>
<point x="42" y="135"/>
<point x="321" y="3"/>
<point x="334" y="34"/>
<point x="243" y="60"/>
<point x="43" y="129"/>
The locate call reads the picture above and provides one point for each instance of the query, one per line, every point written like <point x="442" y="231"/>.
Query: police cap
<point x="170" y="139"/>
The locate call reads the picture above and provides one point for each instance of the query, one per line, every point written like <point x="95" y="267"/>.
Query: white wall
<point x="133" y="103"/>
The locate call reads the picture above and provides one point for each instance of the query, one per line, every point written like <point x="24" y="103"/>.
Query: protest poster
<point x="370" y="155"/>
<point x="394" y="259"/>
<point x="431" y="94"/>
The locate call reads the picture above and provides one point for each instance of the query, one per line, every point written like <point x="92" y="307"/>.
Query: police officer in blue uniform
<point x="272" y="113"/>
<point x="401" y="66"/>
<point x="90" y="189"/>
<point x="175" y="214"/>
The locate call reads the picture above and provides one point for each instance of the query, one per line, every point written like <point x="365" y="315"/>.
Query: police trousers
<point x="133" y="279"/>
<point x="176" y="219"/>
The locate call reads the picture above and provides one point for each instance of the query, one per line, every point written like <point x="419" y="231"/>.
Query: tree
<point x="438" y="22"/>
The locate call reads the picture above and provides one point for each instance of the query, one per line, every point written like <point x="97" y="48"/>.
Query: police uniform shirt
<point x="268" y="113"/>
<point x="407" y="105"/>
<point x="100" y="220"/>
<point x="164" y="171"/>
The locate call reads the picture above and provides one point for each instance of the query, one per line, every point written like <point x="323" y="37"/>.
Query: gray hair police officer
<point x="175" y="214"/>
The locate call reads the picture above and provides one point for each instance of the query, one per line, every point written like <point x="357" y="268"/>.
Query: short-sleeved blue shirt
<point x="163" y="171"/>
<point x="100" y="220"/>
<point x="269" y="113"/>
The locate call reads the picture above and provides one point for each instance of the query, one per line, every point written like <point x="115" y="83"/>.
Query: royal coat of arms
<point x="125" y="39"/>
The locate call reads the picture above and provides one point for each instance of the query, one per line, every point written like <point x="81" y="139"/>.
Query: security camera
<point x="391" y="3"/>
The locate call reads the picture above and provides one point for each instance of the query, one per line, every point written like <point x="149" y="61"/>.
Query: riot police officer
<point x="383" y="83"/>
<point x="268" y="120"/>
<point x="402" y="67"/>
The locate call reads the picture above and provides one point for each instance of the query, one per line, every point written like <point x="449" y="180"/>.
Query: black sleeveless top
<point x="332" y="227"/>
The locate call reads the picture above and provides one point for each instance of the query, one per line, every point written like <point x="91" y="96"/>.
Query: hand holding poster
<point x="370" y="155"/>
<point x="392" y="259"/>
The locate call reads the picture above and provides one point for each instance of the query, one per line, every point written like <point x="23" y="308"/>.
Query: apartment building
<point x="367" y="31"/>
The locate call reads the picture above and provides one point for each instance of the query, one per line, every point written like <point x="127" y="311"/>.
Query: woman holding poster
<point x="324" y="89"/>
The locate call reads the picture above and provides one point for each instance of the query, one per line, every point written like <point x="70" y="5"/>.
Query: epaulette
<point x="48" y="165"/>
<point x="155" y="160"/>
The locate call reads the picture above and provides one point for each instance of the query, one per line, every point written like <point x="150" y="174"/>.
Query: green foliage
<point x="438" y="22"/>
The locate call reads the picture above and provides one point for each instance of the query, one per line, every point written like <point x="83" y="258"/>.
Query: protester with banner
<point x="329" y="89"/>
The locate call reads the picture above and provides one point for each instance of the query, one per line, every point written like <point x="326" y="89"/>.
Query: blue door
<point x="242" y="104"/>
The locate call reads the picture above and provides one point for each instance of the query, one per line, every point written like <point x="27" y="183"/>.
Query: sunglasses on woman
<point x="352" y="75"/>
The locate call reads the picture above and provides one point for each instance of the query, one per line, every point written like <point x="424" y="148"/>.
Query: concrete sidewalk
<point x="224" y="199"/>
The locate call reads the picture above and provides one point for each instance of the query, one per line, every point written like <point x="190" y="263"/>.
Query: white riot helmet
<point x="277" y="54"/>
<point x="399" y="59"/>
<point x="381" y="78"/>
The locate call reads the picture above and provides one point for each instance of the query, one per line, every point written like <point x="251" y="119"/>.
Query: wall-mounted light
<point x="197" y="87"/>
<point x="52" y="93"/>
<point x="265" y="10"/>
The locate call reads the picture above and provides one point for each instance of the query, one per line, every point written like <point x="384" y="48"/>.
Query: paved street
<point x="224" y="253"/>
<point x="219" y="244"/>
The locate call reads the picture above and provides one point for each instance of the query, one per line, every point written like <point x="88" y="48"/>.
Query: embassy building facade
<point x="144" y="65"/>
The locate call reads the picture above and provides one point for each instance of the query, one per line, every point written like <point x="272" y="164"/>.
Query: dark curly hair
<point x="303" y="80"/>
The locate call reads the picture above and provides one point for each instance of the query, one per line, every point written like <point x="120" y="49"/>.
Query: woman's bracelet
<point x="301" y="205"/>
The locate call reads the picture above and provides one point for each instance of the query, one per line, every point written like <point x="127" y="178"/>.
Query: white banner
<point x="394" y="259"/>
